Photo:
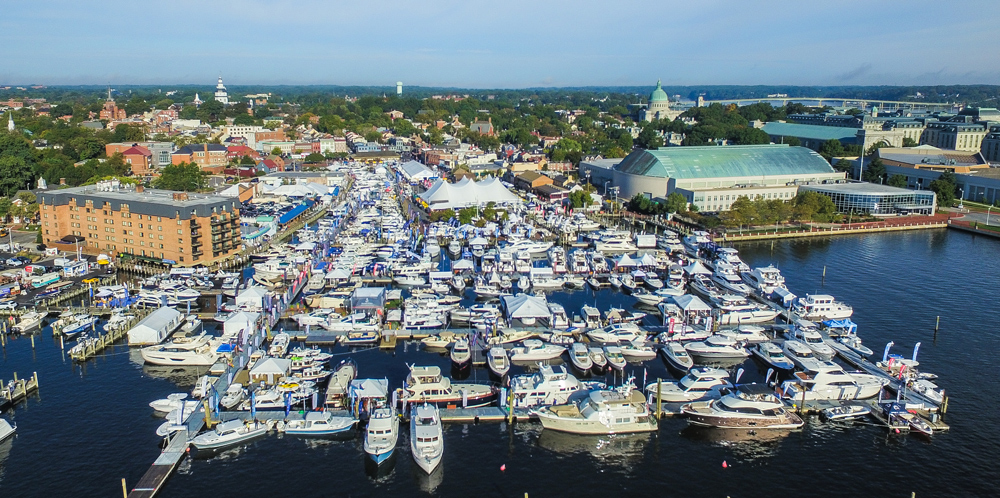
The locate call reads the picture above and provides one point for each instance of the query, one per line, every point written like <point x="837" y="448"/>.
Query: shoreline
<point x="820" y="232"/>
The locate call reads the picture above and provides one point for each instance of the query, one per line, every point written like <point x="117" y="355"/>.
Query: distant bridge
<point x="843" y="102"/>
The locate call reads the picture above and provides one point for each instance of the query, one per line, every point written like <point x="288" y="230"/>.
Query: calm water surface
<point x="91" y="426"/>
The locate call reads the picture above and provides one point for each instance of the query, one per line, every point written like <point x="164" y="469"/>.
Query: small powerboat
<point x="229" y="434"/>
<point x="320" y="424"/>
<point x="580" y="357"/>
<point x="845" y="412"/>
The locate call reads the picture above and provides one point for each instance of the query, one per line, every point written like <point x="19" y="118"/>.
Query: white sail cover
<point x="444" y="195"/>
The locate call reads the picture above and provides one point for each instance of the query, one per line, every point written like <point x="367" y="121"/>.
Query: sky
<point x="501" y="44"/>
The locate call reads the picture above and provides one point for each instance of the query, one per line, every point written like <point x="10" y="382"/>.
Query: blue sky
<point x="501" y="44"/>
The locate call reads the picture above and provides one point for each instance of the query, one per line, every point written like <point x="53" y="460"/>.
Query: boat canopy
<point x="846" y="324"/>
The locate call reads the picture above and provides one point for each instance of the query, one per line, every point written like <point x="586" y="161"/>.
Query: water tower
<point x="399" y="88"/>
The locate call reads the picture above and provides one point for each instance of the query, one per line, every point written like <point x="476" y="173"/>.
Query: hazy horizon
<point x="516" y="45"/>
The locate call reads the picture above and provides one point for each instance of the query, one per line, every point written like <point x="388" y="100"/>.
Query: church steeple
<point x="10" y="121"/>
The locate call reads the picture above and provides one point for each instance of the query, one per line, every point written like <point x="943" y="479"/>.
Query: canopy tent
<point x="414" y="171"/>
<point x="625" y="261"/>
<point x="338" y="274"/>
<point x="270" y="371"/>
<point x="444" y="195"/>
<point x="695" y="268"/>
<point x="847" y="324"/>
<point x="243" y="320"/>
<point x="647" y="260"/>
<point x="305" y="246"/>
<point x="463" y="265"/>
<point x="526" y="308"/>
<point x="368" y="298"/>
<point x="252" y="297"/>
<point x="689" y="303"/>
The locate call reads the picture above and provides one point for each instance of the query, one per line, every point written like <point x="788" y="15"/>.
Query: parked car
<point x="9" y="305"/>
<point x="14" y="261"/>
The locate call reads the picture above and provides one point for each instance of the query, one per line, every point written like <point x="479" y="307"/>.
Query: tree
<point x="14" y="175"/>
<point x="676" y="203"/>
<point x="792" y="141"/>
<point x="276" y="151"/>
<point x="315" y="157"/>
<point x="243" y="120"/>
<point x="183" y="177"/>
<point x="465" y="215"/>
<point x="831" y="148"/>
<point x="580" y="198"/>
<point x="897" y="181"/>
<point x="843" y="165"/>
<point x="875" y="172"/>
<point x="5" y="207"/>
<point x="649" y="138"/>
<point x="909" y="142"/>
<point x="945" y="188"/>
<point x="811" y="206"/>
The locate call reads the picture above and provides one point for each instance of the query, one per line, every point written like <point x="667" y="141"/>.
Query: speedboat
<point x="548" y="386"/>
<point x="81" y="323"/>
<point x="615" y="357"/>
<point x="426" y="436"/>
<point x="646" y="297"/>
<point x="579" y="356"/>
<point x="427" y="385"/>
<point x="771" y="354"/>
<point x="845" y="412"/>
<point x="28" y="322"/>
<point x="591" y="316"/>
<point x="461" y="355"/>
<point x="319" y="424"/>
<point x="381" y="435"/>
<point x="749" y="334"/>
<point x="598" y="359"/>
<point x="751" y="406"/>
<point x="229" y="434"/>
<point x="233" y="396"/>
<point x="677" y="356"/>
<point x="497" y="361"/>
<point x="853" y="342"/>
<point x="169" y="404"/>
<point x="616" y="411"/>
<point x="616" y="333"/>
<point x="823" y="380"/>
<point x="637" y="351"/>
<point x="699" y="383"/>
<point x="535" y="350"/>
<point x="716" y="346"/>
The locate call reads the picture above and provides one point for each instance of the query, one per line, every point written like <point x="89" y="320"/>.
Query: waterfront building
<point x="180" y="228"/>
<point x="711" y="178"/>
<point x="974" y="177"/>
<point x="863" y="197"/>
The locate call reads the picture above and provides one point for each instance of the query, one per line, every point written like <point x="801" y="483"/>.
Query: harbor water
<point x="90" y="426"/>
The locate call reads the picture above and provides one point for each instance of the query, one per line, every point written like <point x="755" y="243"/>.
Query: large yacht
<point x="737" y="309"/>
<point x="187" y="351"/>
<point x="716" y="346"/>
<point x="381" y="435"/>
<point x="748" y="406"/>
<point x="728" y="277"/>
<point x="617" y="332"/>
<point x="427" y="385"/>
<point x="816" y="307"/>
<point x="699" y="383"/>
<point x="617" y="411"/>
<point x="426" y="437"/>
<point x="692" y="243"/>
<point x="764" y="280"/>
<point x="827" y="380"/>
<point x="548" y="386"/>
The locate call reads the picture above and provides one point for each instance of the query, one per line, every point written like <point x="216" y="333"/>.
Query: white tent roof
<point x="696" y="267"/>
<point x="647" y="260"/>
<point x="239" y="321"/>
<point x="444" y="195"/>
<point x="271" y="366"/>
<point x="253" y="296"/>
<point x="369" y="388"/>
<point x="339" y="274"/>
<point x="687" y="302"/>
<point x="463" y="264"/>
<point x="526" y="306"/>
<point x="625" y="260"/>
<point x="413" y="170"/>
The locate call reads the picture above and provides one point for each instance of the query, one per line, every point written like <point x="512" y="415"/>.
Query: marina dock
<point x="18" y="389"/>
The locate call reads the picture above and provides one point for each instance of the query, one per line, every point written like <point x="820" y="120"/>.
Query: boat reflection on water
<point x="613" y="449"/>
<point x="5" y="448"/>
<point x="231" y="453"/>
<point x="185" y="377"/>
<point x="748" y="444"/>
<point x="379" y="472"/>
<point x="428" y="483"/>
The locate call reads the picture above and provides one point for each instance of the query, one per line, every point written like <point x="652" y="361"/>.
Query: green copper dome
<point x="658" y="95"/>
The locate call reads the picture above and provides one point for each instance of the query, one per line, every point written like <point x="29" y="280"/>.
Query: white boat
<point x="692" y="243"/>
<point x="617" y="332"/>
<point x="229" y="434"/>
<point x="279" y="345"/>
<point x="814" y="340"/>
<point x="427" y="385"/>
<point x="381" y="435"/>
<point x="615" y="357"/>
<point x="764" y="280"/>
<point x="168" y="404"/>
<point x="749" y="334"/>
<point x="615" y="246"/>
<point x="823" y="380"/>
<point x="535" y="350"/>
<point x="461" y="355"/>
<point x="455" y="247"/>
<point x="7" y="430"/>
<point x="797" y="351"/>
<point x="646" y="297"/>
<point x="737" y="309"/>
<point x="184" y="351"/>
<point x="598" y="359"/>
<point x="426" y="437"/>
<point x="854" y="343"/>
<point x="497" y="361"/>
<point x="637" y="351"/>
<point x="233" y="396"/>
<point x="319" y="424"/>
<point x="817" y="307"/>
<point x="618" y="411"/>
<point x="700" y="383"/>
<point x="579" y="356"/>
<point x="548" y="386"/>
<point x="28" y="322"/>
<point x="508" y="336"/>
<point x="716" y="346"/>
<point x="771" y="354"/>
<point x="751" y="406"/>
<point x="845" y="412"/>
<point x="591" y="316"/>
<point x="677" y="356"/>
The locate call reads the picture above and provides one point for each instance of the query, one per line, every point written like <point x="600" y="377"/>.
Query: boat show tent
<point x="253" y="297"/>
<point x="525" y="306"/>
<point x="696" y="268"/>
<point x="243" y="320"/>
<point x="690" y="303"/>
<point x="155" y="328"/>
<point x="270" y="370"/>
<point x="368" y="298"/>
<point x="463" y="265"/>
<point x="625" y="261"/>
<point x="415" y="172"/>
<point x="647" y="260"/>
<point x="466" y="193"/>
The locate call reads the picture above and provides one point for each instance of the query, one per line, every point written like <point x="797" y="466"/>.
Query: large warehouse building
<point x="711" y="177"/>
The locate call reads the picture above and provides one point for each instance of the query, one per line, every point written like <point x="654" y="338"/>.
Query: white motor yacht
<point x="279" y="345"/>
<point x="579" y="356"/>
<point x="699" y="383"/>
<point x="461" y="354"/>
<point x="615" y="357"/>
<point x="535" y="350"/>
<point x="797" y="351"/>
<point x="28" y="322"/>
<point x="749" y="334"/>
<point x="617" y="411"/>
<point x="826" y="380"/>
<point x="427" y="385"/>
<point x="229" y="434"/>
<point x="817" y="307"/>
<point x="737" y="309"/>
<point x="426" y="437"/>
<point x="617" y="332"/>
<point x="716" y="346"/>
<point x="319" y="424"/>
<point x="497" y="361"/>
<point x="7" y="430"/>
<point x="185" y="351"/>
<point x="168" y="404"/>
<point x="676" y="356"/>
<point x="637" y="351"/>
<point x="764" y="280"/>
<point x="234" y="395"/>
<point x="814" y="340"/>
<point x="771" y="354"/>
<point x="598" y="359"/>
<point x="692" y="243"/>
<point x="381" y="435"/>
<point x="728" y="277"/>
<point x="548" y="386"/>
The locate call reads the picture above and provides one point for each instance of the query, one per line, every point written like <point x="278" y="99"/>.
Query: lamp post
<point x="961" y="194"/>
<point x="988" y="215"/>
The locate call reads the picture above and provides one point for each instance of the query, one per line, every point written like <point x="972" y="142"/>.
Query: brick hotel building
<point x="179" y="228"/>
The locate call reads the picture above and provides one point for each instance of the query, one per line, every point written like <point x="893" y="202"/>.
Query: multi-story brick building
<point x="210" y="157"/>
<point x="179" y="228"/>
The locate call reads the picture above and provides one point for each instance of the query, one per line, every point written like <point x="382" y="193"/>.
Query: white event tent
<point x="466" y="193"/>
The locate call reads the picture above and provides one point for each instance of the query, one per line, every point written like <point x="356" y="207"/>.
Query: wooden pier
<point x="86" y="350"/>
<point x="18" y="389"/>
